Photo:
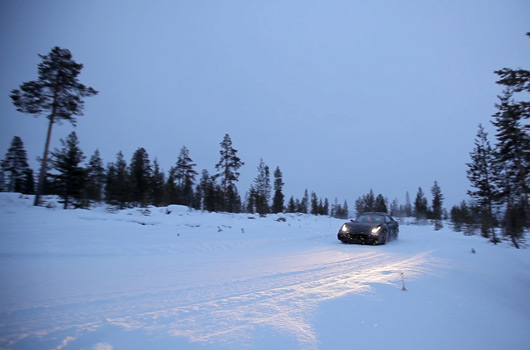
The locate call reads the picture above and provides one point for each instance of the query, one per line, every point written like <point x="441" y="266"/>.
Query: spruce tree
<point x="325" y="208"/>
<point x="185" y="177"/>
<point x="481" y="172"/>
<point x="140" y="176"/>
<point x="344" y="210"/>
<point x="512" y="150"/>
<point x="408" y="205"/>
<point x="57" y="93"/>
<point x="71" y="177"/>
<point x="314" y="204"/>
<point x="420" y="205"/>
<point x="95" y="178"/>
<point x="437" y="201"/>
<point x="277" y="201"/>
<point x="262" y="189"/>
<point x="291" y="206"/>
<point x="394" y="208"/>
<point x="228" y="173"/>
<point x="304" y="203"/>
<point x="16" y="169"/>
<point x="380" y="204"/>
<point x="209" y="192"/>
<point x="157" y="183"/>
<point x="251" y="200"/>
<point x="118" y="187"/>
<point x="171" y="191"/>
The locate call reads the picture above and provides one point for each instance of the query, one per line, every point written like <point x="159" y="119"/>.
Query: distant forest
<point x="499" y="174"/>
<point x="140" y="183"/>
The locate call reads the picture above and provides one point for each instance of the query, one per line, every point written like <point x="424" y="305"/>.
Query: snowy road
<point x="96" y="280"/>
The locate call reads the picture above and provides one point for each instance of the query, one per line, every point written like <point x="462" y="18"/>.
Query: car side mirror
<point x="352" y="220"/>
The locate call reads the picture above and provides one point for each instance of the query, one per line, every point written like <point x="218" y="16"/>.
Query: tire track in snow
<point x="280" y="292"/>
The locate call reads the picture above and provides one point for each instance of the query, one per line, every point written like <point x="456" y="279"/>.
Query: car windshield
<point x="371" y="218"/>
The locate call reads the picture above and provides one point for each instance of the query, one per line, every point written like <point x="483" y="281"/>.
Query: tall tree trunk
<point x="42" y="173"/>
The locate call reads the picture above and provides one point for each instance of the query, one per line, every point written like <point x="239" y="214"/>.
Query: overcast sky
<point x="343" y="96"/>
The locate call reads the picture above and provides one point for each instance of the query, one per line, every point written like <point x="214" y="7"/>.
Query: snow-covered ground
<point x="168" y="278"/>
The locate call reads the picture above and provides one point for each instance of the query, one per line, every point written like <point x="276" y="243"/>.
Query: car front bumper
<point x="363" y="238"/>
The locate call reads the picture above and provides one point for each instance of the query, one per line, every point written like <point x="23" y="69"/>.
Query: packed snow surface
<point x="174" y="278"/>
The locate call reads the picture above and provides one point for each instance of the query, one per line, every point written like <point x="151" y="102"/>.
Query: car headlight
<point x="344" y="228"/>
<point x="376" y="230"/>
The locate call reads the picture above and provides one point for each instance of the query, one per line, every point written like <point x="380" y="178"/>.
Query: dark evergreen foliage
<point x="171" y="191"/>
<point x="184" y="177"/>
<point x="261" y="189"/>
<point x="314" y="204"/>
<point x="69" y="181"/>
<point x="228" y="174"/>
<point x="95" y="178"/>
<point x="380" y="204"/>
<point x="291" y="206"/>
<point x="57" y="93"/>
<point x="481" y="172"/>
<point x="140" y="177"/>
<point x="277" y="201"/>
<point x="118" y="186"/>
<point x="420" y="205"/>
<point x="437" y="202"/>
<point x="303" y="207"/>
<point x="369" y="202"/>
<point x="18" y="177"/>
<point x="465" y="217"/>
<point x="156" y="185"/>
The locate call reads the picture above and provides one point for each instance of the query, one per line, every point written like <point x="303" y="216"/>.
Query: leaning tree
<point x="57" y="93"/>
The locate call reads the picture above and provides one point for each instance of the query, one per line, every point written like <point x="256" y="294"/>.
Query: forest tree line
<point x="140" y="182"/>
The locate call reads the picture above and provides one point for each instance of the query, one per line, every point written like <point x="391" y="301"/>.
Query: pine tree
<point x="345" y="211"/>
<point x="437" y="201"/>
<point x="304" y="203"/>
<point x="251" y="200"/>
<point x="57" y="93"/>
<point x="185" y="177"/>
<point x="118" y="186"/>
<point x="157" y="183"/>
<point x="512" y="150"/>
<point x="481" y="172"/>
<point x="140" y="175"/>
<point x="262" y="189"/>
<point x="420" y="205"/>
<point x="314" y="204"/>
<point x="95" y="178"/>
<point x="16" y="169"/>
<point x="71" y="177"/>
<point x="171" y="191"/>
<point x="394" y="208"/>
<point x="291" y="206"/>
<point x="380" y="204"/>
<point x="209" y="192"/>
<point x="228" y="173"/>
<point x="365" y="203"/>
<point x="277" y="201"/>
<point x="408" y="205"/>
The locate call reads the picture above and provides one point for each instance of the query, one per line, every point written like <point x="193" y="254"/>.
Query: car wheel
<point x="385" y="237"/>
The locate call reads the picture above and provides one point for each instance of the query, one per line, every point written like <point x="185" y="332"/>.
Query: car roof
<point x="373" y="213"/>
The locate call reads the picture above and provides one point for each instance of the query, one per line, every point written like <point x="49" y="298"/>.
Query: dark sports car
<point x="375" y="228"/>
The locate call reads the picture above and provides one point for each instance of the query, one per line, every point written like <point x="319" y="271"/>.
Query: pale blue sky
<point x="344" y="96"/>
